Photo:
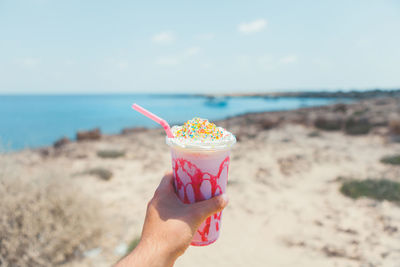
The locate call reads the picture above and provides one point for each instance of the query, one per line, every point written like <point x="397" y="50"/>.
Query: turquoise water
<point x="33" y="121"/>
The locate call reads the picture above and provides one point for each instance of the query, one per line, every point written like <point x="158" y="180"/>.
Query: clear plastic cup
<point x="201" y="173"/>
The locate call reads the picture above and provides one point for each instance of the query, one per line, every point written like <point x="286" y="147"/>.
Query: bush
<point x="328" y="124"/>
<point x="393" y="160"/>
<point x="357" y="127"/>
<point x="100" y="172"/>
<point x="376" y="189"/>
<point x="44" y="222"/>
<point x="314" y="134"/>
<point x="110" y="153"/>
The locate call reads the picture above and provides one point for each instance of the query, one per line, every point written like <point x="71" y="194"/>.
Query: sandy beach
<point x="285" y="207"/>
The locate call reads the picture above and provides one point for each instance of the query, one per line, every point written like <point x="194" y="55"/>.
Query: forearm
<point x="147" y="255"/>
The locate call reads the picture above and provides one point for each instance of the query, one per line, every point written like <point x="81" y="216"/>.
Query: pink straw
<point x="155" y="118"/>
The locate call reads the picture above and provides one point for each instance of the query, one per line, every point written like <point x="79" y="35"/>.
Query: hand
<point x="169" y="226"/>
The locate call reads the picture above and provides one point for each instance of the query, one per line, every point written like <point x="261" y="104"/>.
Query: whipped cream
<point x="202" y="135"/>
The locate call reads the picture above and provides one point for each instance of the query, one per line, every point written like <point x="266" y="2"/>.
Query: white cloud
<point x="205" y="36"/>
<point x="164" y="38"/>
<point x="167" y="61"/>
<point x="192" y="51"/>
<point x="289" y="59"/>
<point x="252" y="26"/>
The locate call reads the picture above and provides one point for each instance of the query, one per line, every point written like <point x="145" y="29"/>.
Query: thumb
<point x="210" y="206"/>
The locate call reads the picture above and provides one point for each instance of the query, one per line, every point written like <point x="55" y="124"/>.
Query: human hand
<point x="169" y="226"/>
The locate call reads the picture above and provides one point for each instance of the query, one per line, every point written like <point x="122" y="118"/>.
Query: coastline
<point x="358" y="110"/>
<point x="353" y="94"/>
<point x="40" y="136"/>
<point x="348" y="96"/>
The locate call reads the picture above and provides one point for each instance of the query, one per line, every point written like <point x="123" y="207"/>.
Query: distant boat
<point x="216" y="102"/>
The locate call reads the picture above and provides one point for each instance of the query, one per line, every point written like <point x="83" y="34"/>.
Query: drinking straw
<point x="155" y="118"/>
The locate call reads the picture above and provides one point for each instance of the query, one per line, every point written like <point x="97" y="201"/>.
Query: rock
<point x="340" y="107"/>
<point x="269" y="123"/>
<point x="94" y="134"/>
<point x="44" y="152"/>
<point x="61" y="142"/>
<point x="328" y="123"/>
<point x="134" y="130"/>
<point x="298" y="118"/>
<point x="357" y="126"/>
<point x="394" y="126"/>
<point x="246" y="133"/>
<point x="378" y="121"/>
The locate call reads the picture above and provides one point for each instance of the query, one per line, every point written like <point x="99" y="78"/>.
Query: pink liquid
<point x="200" y="175"/>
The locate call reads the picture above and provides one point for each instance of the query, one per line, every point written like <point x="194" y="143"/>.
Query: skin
<point x="169" y="226"/>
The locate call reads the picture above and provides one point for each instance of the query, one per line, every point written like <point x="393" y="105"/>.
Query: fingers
<point x="166" y="181"/>
<point x="210" y="206"/>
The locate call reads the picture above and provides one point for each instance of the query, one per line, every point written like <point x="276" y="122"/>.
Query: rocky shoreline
<point x="376" y="115"/>
<point x="352" y="94"/>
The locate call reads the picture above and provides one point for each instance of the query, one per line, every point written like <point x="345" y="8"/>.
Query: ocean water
<point x="29" y="121"/>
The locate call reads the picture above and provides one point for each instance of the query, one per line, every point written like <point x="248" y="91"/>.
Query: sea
<point x="31" y="121"/>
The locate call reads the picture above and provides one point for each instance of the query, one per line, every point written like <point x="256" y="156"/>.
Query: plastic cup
<point x="200" y="174"/>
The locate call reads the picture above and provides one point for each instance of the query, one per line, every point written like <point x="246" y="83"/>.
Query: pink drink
<point x="199" y="176"/>
<point x="201" y="172"/>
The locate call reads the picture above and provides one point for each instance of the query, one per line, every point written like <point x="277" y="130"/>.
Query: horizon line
<point x="341" y="90"/>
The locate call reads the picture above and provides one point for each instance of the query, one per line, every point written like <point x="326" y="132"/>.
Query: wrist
<point x="158" y="253"/>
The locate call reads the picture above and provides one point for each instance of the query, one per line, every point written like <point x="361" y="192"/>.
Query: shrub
<point x="393" y="160"/>
<point x="110" y="153"/>
<point x="360" y="112"/>
<point x="328" y="124"/>
<point x="100" y="172"/>
<point x="357" y="127"/>
<point x="44" y="222"/>
<point x="314" y="134"/>
<point x="376" y="189"/>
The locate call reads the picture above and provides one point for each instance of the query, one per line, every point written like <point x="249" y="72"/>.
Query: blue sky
<point x="49" y="46"/>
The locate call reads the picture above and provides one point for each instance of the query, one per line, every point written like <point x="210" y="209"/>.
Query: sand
<point x="285" y="206"/>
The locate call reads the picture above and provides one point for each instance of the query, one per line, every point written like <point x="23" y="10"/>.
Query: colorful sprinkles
<point x="199" y="129"/>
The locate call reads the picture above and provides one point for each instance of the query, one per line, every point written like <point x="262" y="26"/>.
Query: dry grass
<point x="44" y="222"/>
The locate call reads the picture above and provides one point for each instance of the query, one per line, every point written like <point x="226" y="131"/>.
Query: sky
<point x="96" y="46"/>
